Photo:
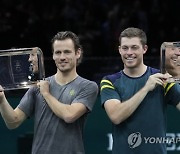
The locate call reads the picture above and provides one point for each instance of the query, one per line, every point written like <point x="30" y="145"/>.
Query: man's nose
<point x="129" y="51"/>
<point x="177" y="52"/>
<point x="62" y="56"/>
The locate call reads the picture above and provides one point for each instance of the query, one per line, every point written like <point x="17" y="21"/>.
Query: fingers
<point x="39" y="83"/>
<point x="161" y="76"/>
<point x="154" y="80"/>
<point x="159" y="81"/>
<point x="42" y="83"/>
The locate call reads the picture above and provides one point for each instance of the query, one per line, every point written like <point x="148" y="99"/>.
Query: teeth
<point x="129" y="58"/>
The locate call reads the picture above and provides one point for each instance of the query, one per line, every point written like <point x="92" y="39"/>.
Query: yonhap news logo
<point x="135" y="140"/>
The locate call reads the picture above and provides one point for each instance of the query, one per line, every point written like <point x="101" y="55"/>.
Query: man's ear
<point x="78" y="53"/>
<point x="119" y="49"/>
<point x="145" y="48"/>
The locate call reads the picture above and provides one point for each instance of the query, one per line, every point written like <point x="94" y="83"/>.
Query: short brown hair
<point x="134" y="32"/>
<point x="69" y="35"/>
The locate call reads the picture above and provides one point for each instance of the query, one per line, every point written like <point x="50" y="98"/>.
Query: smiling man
<point x="59" y="104"/>
<point x="172" y="59"/>
<point x="135" y="98"/>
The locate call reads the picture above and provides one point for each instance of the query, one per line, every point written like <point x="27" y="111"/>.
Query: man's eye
<point x="67" y="51"/>
<point x="125" y="48"/>
<point x="57" y="52"/>
<point x="135" y="47"/>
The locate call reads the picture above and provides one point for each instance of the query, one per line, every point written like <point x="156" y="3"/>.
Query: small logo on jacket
<point x="72" y="92"/>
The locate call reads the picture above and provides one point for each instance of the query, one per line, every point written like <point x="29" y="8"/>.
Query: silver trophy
<point x="21" y="68"/>
<point x="170" y="60"/>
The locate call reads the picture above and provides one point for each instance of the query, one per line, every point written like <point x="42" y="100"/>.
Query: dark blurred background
<point x="98" y="23"/>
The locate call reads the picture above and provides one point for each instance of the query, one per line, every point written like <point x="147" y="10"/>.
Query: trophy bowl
<point x="170" y="60"/>
<point x="21" y="68"/>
